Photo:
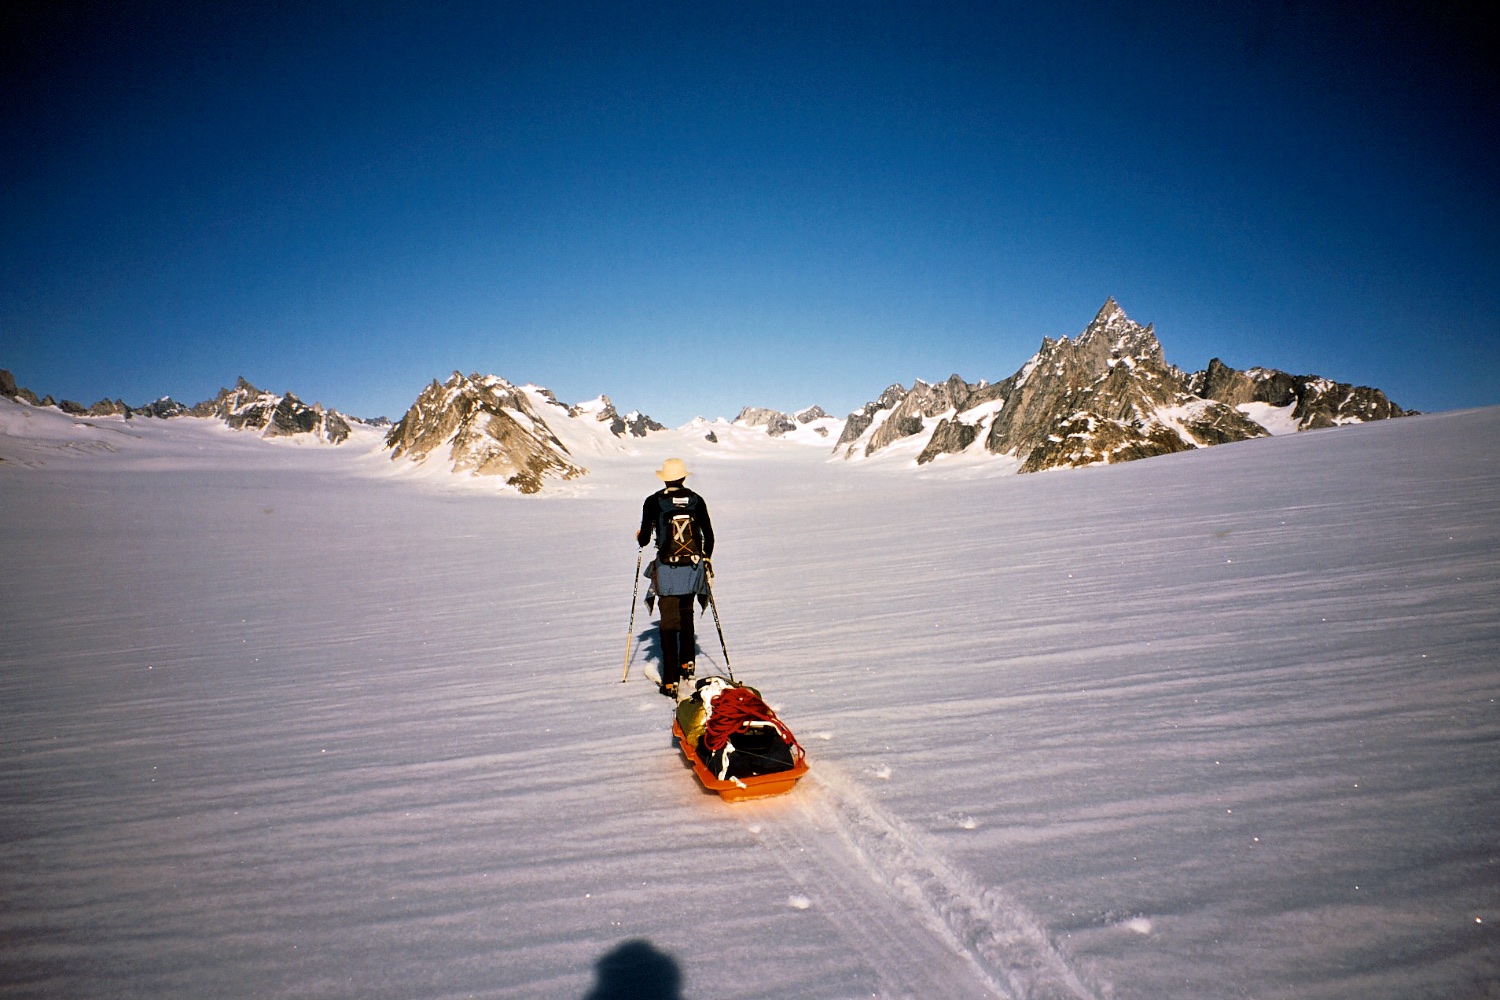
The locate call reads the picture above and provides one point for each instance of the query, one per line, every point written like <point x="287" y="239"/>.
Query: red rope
<point x="733" y="708"/>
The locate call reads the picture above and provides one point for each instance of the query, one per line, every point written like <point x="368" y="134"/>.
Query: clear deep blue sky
<point x="694" y="207"/>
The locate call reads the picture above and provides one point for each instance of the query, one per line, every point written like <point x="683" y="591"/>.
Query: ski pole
<point x="709" y="582"/>
<point x="630" y="632"/>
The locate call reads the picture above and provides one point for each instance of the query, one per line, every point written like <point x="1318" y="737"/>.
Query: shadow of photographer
<point x="636" y="970"/>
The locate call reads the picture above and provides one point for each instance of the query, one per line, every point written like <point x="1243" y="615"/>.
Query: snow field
<point x="284" y="721"/>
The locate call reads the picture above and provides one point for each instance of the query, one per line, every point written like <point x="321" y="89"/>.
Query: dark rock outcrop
<point x="1319" y="402"/>
<point x="1210" y="423"/>
<point x="164" y="408"/>
<point x="1220" y="382"/>
<point x="636" y="424"/>
<point x="1086" y="439"/>
<point x="810" y="414"/>
<point x="951" y="437"/>
<point x="860" y="420"/>
<point x="20" y="394"/>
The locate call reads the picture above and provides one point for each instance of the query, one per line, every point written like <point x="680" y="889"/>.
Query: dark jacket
<point x="651" y="510"/>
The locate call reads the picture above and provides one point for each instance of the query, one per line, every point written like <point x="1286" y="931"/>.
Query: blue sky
<point x="700" y="206"/>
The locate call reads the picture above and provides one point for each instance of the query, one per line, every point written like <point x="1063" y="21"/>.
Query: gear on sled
<point x="735" y="743"/>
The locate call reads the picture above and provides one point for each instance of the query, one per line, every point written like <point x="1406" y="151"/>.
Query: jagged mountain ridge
<point x="243" y="408"/>
<point x="1106" y="396"/>
<point x="247" y="408"/>
<point x="1317" y="401"/>
<point x="899" y="413"/>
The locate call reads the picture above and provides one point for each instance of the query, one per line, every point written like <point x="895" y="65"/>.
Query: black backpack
<point x="677" y="539"/>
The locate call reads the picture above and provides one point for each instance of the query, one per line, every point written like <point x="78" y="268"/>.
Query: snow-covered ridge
<point x="602" y="409"/>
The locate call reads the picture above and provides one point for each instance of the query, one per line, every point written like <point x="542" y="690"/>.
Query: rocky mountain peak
<point x="484" y="426"/>
<point x="1113" y="337"/>
<point x="636" y="424"/>
<point x="246" y="408"/>
<point x="1109" y="395"/>
<point x="1108" y="314"/>
<point x="1106" y="395"/>
<point x="811" y="413"/>
<point x="1101" y="398"/>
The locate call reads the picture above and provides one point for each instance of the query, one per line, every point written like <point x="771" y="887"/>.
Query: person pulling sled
<point x="679" y="520"/>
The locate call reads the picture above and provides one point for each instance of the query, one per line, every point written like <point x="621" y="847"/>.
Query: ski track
<point x="927" y="928"/>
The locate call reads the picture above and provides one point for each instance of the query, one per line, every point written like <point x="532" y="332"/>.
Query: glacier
<point x="283" y="721"/>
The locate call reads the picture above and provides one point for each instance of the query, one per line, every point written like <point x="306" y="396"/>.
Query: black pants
<point x="678" y="643"/>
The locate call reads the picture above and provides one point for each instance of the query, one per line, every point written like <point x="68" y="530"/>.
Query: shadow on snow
<point x="636" y="970"/>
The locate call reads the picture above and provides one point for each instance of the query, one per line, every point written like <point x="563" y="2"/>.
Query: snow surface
<point x="1276" y="419"/>
<point x="284" y="721"/>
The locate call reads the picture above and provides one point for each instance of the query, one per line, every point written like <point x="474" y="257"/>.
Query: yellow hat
<point x="672" y="470"/>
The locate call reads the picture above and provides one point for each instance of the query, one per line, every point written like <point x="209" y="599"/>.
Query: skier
<point x="679" y="573"/>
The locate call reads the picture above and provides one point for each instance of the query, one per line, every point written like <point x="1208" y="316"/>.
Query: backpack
<point x="677" y="540"/>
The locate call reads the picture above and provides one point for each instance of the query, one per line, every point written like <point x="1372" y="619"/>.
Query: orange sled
<point x="756" y="786"/>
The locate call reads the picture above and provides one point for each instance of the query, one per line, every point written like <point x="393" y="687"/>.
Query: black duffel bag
<point x="756" y="749"/>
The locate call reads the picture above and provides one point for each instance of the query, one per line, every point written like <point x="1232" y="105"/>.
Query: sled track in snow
<point x="927" y="928"/>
